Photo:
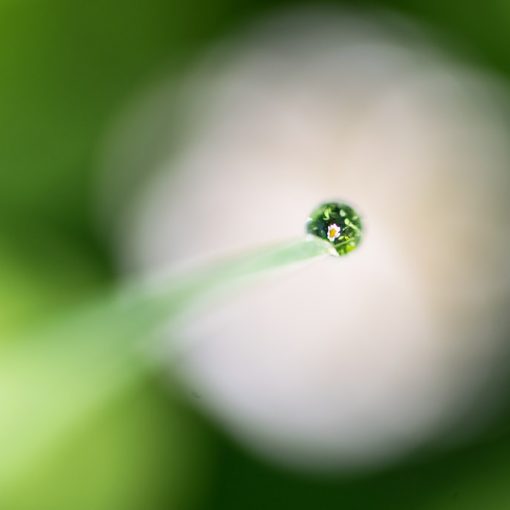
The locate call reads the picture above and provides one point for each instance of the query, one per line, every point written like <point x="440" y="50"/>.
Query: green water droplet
<point x="337" y="223"/>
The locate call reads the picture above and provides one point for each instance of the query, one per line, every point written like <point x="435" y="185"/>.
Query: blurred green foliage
<point x="144" y="450"/>
<point x="67" y="68"/>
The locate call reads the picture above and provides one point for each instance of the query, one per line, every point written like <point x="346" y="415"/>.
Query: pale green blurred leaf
<point x="63" y="373"/>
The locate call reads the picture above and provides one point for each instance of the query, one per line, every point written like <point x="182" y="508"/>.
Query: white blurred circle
<point x="354" y="360"/>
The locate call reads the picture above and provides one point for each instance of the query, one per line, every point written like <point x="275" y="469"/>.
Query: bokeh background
<point x="68" y="72"/>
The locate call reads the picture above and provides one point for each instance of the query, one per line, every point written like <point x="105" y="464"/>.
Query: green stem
<point x="63" y="373"/>
<point x="178" y="292"/>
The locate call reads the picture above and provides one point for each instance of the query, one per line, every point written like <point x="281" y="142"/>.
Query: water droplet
<point x="337" y="223"/>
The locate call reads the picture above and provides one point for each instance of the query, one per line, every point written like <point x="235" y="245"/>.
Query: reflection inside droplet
<point x="337" y="223"/>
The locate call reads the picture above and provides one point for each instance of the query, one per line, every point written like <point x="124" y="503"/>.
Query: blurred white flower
<point x="349" y="361"/>
<point x="333" y="232"/>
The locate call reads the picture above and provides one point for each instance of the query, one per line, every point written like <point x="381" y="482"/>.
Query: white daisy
<point x="333" y="232"/>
